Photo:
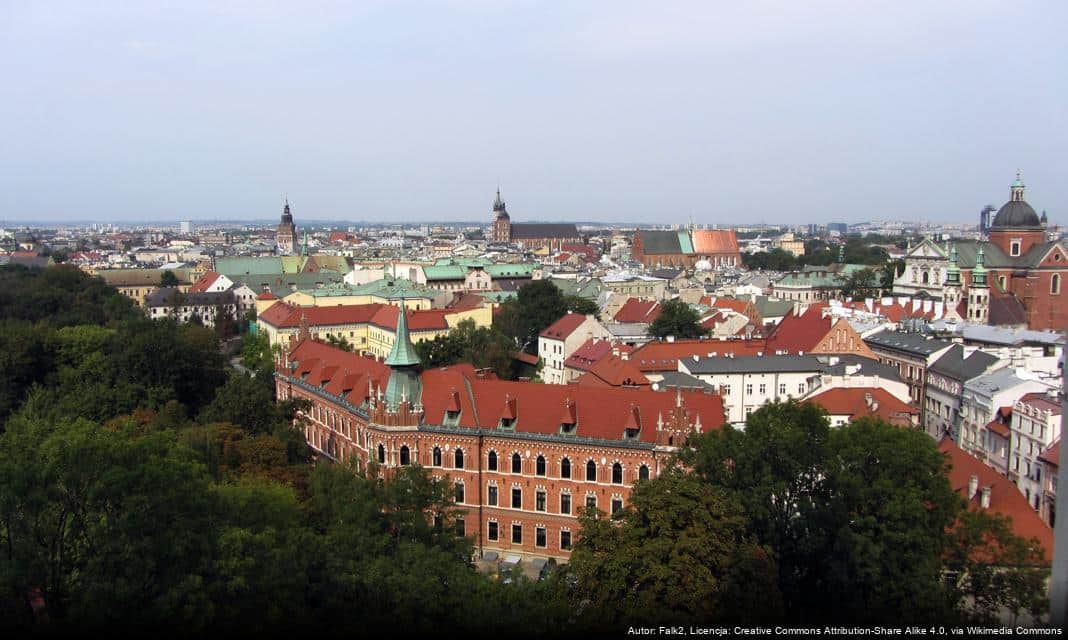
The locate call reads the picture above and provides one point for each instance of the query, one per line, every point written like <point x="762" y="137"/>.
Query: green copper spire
<point x="403" y="353"/>
<point x="404" y="384"/>
<point x="953" y="272"/>
<point x="979" y="272"/>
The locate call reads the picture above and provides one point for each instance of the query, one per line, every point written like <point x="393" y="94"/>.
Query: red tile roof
<point x="999" y="428"/>
<point x="563" y="327"/>
<point x="588" y="354"/>
<point x="613" y="372"/>
<point x="538" y="408"/>
<point x="1042" y="401"/>
<point x="635" y="310"/>
<point x="664" y="356"/>
<point x="1005" y="497"/>
<point x="799" y="333"/>
<point x="204" y="283"/>
<point x="1052" y="454"/>
<point x="287" y="316"/>
<point x="267" y="295"/>
<point x="854" y="402"/>
<point x="709" y="241"/>
<point x="525" y="357"/>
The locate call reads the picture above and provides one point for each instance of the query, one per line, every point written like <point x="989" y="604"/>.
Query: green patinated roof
<point x="403" y="352"/>
<point x="445" y="272"/>
<point x="656" y="242"/>
<point x="456" y="269"/>
<point x="684" y="242"/>
<point x="284" y="284"/>
<point x="388" y="288"/>
<point x="499" y="296"/>
<point x="589" y="289"/>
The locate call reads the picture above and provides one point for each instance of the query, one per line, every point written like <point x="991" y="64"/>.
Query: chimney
<point x="973" y="486"/>
<point x="984" y="502"/>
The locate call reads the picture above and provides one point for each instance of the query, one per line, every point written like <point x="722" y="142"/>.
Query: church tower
<point x="979" y="292"/>
<point x="502" y="223"/>
<point x="403" y="401"/>
<point x="951" y="290"/>
<point x="286" y="236"/>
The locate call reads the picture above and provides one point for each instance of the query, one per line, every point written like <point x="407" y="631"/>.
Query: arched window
<point x="492" y="462"/>
<point x="1055" y="284"/>
<point x="591" y="471"/>
<point x="458" y="459"/>
<point x="406" y="456"/>
<point x="926" y="277"/>
<point x="517" y="463"/>
<point x="436" y="459"/>
<point x="617" y="473"/>
<point x="539" y="467"/>
<point x="565" y="468"/>
<point x="381" y="454"/>
<point x="643" y="472"/>
<point x="459" y="492"/>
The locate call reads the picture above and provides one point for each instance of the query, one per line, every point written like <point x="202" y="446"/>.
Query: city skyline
<point x="726" y="115"/>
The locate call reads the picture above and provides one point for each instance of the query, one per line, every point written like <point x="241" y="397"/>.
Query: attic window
<point x="508" y="424"/>
<point x="452" y="418"/>
<point x="567" y="428"/>
<point x="630" y="434"/>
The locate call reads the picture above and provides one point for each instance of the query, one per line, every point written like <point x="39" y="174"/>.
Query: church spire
<point x="403" y="353"/>
<point x="404" y="385"/>
<point x="498" y="203"/>
<point x="1018" y="187"/>
<point x="979" y="272"/>
<point x="953" y="272"/>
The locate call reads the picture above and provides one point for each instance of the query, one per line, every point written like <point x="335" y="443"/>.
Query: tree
<point x="679" y="553"/>
<point x="676" y="319"/>
<point x="863" y="283"/>
<point x="537" y="305"/>
<point x="168" y="279"/>
<point x="483" y="347"/>
<point x="577" y="304"/>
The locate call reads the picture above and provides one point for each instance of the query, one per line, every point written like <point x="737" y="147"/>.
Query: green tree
<point x="863" y="283"/>
<point x="483" y="347"/>
<point x="679" y="553"/>
<point x="168" y="279"/>
<point x="537" y="305"/>
<point x="676" y="319"/>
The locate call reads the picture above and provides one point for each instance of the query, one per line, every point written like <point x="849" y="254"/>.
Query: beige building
<point x="561" y="339"/>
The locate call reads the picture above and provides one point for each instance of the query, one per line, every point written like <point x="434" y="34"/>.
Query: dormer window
<point x="452" y="418"/>
<point x="630" y="434"/>
<point x="567" y="428"/>
<point x="507" y="424"/>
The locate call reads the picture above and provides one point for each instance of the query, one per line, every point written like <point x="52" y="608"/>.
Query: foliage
<point x="483" y="347"/>
<point x="679" y="553"/>
<point x="677" y="319"/>
<point x="863" y="283"/>
<point x="537" y="305"/>
<point x="168" y="279"/>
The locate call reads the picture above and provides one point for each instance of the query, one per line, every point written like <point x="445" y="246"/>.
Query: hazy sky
<point x="729" y="112"/>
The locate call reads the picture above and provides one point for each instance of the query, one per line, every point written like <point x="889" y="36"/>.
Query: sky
<point x="728" y="113"/>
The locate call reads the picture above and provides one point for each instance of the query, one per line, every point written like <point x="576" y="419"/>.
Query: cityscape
<point x="518" y="419"/>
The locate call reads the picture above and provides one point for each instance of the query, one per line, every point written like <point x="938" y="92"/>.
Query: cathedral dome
<point x="1016" y="213"/>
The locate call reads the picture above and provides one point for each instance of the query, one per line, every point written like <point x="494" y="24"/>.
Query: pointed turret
<point x="979" y="272"/>
<point x="1018" y="187"/>
<point x="953" y="271"/>
<point x="403" y="360"/>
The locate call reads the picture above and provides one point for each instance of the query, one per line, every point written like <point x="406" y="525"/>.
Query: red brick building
<point x="524" y="459"/>
<point x="686" y="248"/>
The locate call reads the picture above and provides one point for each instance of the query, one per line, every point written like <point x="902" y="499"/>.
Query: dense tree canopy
<point x="537" y="305"/>
<point x="483" y="347"/>
<point x="677" y="319"/>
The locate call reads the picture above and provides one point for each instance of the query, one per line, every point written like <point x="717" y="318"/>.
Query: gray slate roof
<point x="914" y="343"/>
<point x="666" y="242"/>
<point x="753" y="364"/>
<point x="170" y="296"/>
<point x="680" y="380"/>
<point x="954" y="365"/>
<point x="525" y="231"/>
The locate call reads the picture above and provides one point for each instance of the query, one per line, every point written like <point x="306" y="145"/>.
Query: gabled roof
<point x="613" y="371"/>
<point x="591" y="351"/>
<point x="857" y="402"/>
<point x="712" y="241"/>
<point x="563" y="327"/>
<point x="660" y="242"/>
<point x="1052" y="454"/>
<point x="1041" y="401"/>
<point x="534" y="231"/>
<point x="664" y="356"/>
<point x="800" y="333"/>
<point x="205" y="282"/>
<point x="635" y="310"/>
<point x="1006" y="309"/>
<point x="956" y="366"/>
<point x="1005" y="497"/>
<point x="912" y="343"/>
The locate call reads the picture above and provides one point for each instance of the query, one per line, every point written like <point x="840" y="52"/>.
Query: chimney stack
<point x="973" y="486"/>
<point x="984" y="502"/>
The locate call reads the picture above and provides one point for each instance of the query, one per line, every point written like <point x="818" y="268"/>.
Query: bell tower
<point x="502" y="223"/>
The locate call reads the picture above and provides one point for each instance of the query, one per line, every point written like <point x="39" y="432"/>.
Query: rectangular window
<point x="461" y="528"/>
<point x="517" y="534"/>
<point x="565" y="503"/>
<point x="539" y="537"/>
<point x="517" y="498"/>
<point x="617" y="505"/>
<point x="782" y="389"/>
<point x="763" y="389"/>
<point x="565" y="540"/>
<point x="748" y="389"/>
<point x="492" y="497"/>
<point x="539" y="501"/>
<point x="591" y="501"/>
